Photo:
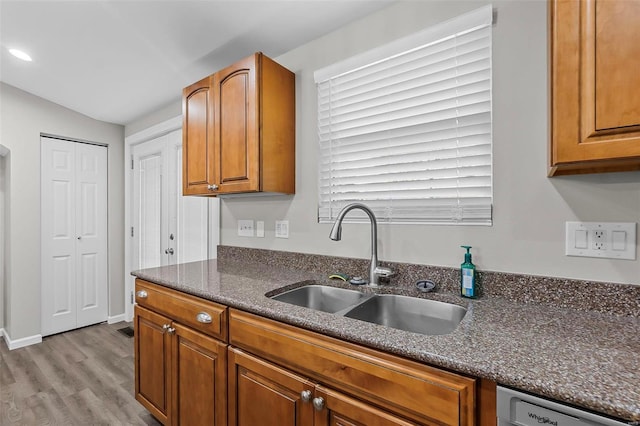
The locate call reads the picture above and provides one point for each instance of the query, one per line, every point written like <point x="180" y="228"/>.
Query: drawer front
<point x="199" y="314"/>
<point x="422" y="393"/>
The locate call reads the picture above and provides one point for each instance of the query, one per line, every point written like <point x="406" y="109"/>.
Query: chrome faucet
<point x="375" y="271"/>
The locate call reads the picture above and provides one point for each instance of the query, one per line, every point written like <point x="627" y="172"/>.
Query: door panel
<point x="236" y="133"/>
<point x="150" y="204"/>
<point x="91" y="241"/>
<point x="265" y="394"/>
<point x="74" y="235"/>
<point x="152" y="363"/>
<point x="200" y="368"/>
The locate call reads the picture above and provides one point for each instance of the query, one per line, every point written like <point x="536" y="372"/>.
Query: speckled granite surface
<point x="585" y="358"/>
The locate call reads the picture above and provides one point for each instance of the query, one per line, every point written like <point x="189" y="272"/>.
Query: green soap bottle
<point x="468" y="276"/>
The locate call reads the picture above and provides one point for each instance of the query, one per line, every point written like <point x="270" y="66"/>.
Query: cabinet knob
<point x="203" y="317"/>
<point x="318" y="403"/>
<point x="165" y="327"/>
<point x="142" y="294"/>
<point x="168" y="251"/>
<point x="213" y="187"/>
<point x="306" y="395"/>
<point x="171" y="330"/>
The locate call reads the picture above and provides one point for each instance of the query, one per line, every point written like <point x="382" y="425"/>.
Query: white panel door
<point x="91" y="231"/>
<point x="151" y="204"/>
<point x="74" y="235"/>
<point x="188" y="216"/>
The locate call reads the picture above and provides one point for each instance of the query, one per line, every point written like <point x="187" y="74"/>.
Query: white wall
<point x="22" y="118"/>
<point x="2" y="232"/>
<point x="530" y="209"/>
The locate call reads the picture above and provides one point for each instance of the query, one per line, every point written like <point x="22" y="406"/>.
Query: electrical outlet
<point x="245" y="228"/>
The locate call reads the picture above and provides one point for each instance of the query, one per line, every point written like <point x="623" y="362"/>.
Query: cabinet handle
<point x="306" y="395"/>
<point x="171" y="330"/>
<point x="203" y="317"/>
<point x="318" y="403"/>
<point x="213" y="187"/>
<point x="166" y="327"/>
<point x="168" y="251"/>
<point x="142" y="294"/>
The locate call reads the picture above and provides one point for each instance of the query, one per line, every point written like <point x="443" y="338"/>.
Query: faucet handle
<point x="383" y="272"/>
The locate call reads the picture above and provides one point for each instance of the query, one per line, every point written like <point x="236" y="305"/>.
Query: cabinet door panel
<point x="198" y="165"/>
<point x="262" y="393"/>
<point x="199" y="369"/>
<point x="236" y="138"/>
<point x="342" y="410"/>
<point x="595" y="107"/>
<point x="152" y="356"/>
<point x="617" y="62"/>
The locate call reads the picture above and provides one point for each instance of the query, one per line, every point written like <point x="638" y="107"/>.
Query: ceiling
<point x="119" y="60"/>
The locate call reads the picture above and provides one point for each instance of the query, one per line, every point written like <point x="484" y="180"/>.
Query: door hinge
<point x="132" y="297"/>
<point x="132" y="231"/>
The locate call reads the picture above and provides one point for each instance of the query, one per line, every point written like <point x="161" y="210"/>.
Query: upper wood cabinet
<point x="239" y="130"/>
<point x="595" y="86"/>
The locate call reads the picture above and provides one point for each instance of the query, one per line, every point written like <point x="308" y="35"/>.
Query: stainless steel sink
<point x="422" y="316"/>
<point x="322" y="298"/>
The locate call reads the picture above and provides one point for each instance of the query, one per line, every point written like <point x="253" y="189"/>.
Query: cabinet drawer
<point x="202" y="315"/>
<point x="419" y="392"/>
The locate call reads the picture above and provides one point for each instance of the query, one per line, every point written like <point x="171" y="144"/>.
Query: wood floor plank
<point x="82" y="377"/>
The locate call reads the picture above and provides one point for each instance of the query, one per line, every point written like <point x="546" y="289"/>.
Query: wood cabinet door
<point x="236" y="129"/>
<point x="198" y="155"/>
<point x="595" y="86"/>
<point x="152" y="346"/>
<point x="261" y="393"/>
<point x="200" y="379"/>
<point x="342" y="410"/>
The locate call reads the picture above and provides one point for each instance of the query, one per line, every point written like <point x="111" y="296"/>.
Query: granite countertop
<point x="587" y="359"/>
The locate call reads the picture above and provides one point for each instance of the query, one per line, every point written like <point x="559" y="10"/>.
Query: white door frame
<point x="143" y="136"/>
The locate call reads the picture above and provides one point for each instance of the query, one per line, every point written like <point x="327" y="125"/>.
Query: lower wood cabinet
<point x="180" y="373"/>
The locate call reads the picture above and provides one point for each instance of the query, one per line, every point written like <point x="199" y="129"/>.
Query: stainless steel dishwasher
<point x="517" y="408"/>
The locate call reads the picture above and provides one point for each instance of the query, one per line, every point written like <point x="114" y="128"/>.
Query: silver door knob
<point x="318" y="403"/>
<point x="142" y="294"/>
<point x="168" y="251"/>
<point x="305" y="395"/>
<point x="213" y="187"/>
<point x="203" y="317"/>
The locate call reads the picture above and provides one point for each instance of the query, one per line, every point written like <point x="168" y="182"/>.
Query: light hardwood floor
<point x="82" y="377"/>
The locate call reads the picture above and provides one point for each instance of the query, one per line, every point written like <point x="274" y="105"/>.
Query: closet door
<point x="74" y="235"/>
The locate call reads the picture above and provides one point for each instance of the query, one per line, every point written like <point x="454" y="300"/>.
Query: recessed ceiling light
<point x="20" y="54"/>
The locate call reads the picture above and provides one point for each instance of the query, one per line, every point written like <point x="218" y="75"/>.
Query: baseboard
<point x="20" y="343"/>
<point x="116" y="318"/>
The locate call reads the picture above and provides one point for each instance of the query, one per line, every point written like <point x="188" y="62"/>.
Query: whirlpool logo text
<point x="542" y="420"/>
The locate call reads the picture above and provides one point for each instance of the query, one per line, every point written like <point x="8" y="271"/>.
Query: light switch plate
<point x="601" y="239"/>
<point x="282" y="229"/>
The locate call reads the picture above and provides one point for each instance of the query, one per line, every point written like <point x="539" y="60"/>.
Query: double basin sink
<point x="406" y="313"/>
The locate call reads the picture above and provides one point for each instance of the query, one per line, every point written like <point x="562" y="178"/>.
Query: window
<point x="406" y="128"/>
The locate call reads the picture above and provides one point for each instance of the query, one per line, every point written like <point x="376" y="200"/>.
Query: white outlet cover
<point x="245" y="228"/>
<point x="611" y="240"/>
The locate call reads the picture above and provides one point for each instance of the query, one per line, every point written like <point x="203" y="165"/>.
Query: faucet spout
<point x="375" y="271"/>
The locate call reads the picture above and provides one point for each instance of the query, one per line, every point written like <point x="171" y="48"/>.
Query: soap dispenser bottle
<point x="468" y="276"/>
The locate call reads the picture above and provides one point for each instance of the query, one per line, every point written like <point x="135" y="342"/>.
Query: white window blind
<point x="406" y="128"/>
